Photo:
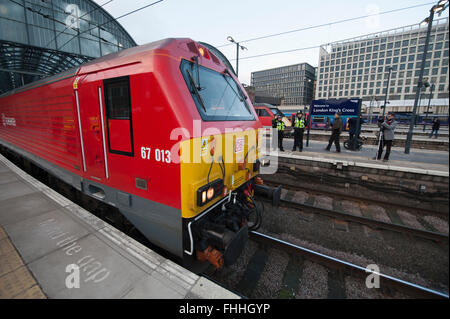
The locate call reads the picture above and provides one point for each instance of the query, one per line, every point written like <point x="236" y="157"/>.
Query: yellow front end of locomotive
<point x="212" y="166"/>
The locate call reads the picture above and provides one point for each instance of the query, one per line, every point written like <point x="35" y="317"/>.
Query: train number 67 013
<point x="160" y="155"/>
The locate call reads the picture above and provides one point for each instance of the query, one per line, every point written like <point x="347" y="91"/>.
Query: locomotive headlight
<point x="203" y="197"/>
<point x="210" y="193"/>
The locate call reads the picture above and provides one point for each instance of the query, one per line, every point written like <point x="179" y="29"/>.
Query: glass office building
<point x="39" y="38"/>
<point x="359" y="67"/>
<point x="292" y="83"/>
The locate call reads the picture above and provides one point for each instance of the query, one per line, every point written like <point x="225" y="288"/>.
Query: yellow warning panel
<point x="10" y="262"/>
<point x="15" y="282"/>
<point x="5" y="247"/>
<point x="33" y="293"/>
<point x="2" y="233"/>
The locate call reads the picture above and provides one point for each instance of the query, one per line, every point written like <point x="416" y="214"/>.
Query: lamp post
<point x="438" y="8"/>
<point x="238" y="46"/>
<point x="308" y="120"/>
<point x="387" y="91"/>
<point x="370" y="108"/>
<point x="428" y="107"/>
<point x="425" y="85"/>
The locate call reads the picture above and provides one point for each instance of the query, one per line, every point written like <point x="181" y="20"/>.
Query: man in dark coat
<point x="435" y="128"/>
<point x="336" y="133"/>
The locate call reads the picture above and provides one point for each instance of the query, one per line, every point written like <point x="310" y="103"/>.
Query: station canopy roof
<point x="40" y="38"/>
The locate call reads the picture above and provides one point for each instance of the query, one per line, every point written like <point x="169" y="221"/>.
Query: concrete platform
<point x="418" y="142"/>
<point x="44" y="237"/>
<point x="425" y="160"/>
<point x="397" y="136"/>
<point x="402" y="131"/>
<point x="423" y="186"/>
<point x="344" y="159"/>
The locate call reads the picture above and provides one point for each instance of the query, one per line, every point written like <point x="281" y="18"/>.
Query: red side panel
<point x="43" y="121"/>
<point x="119" y="135"/>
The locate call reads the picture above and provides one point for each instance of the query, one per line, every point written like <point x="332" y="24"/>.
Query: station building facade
<point x="293" y="84"/>
<point x="40" y="38"/>
<point x="359" y="68"/>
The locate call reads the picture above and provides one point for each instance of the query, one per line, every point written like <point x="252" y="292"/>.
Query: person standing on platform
<point x="387" y="128"/>
<point x="299" y="129"/>
<point x="274" y="141"/>
<point x="352" y="127"/>
<point x="280" y="128"/>
<point x="435" y="128"/>
<point x="336" y="133"/>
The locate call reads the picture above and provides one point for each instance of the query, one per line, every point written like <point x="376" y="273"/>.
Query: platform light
<point x="238" y="46"/>
<point x="438" y="8"/>
<point x="230" y="38"/>
<point x="424" y="22"/>
<point x="442" y="2"/>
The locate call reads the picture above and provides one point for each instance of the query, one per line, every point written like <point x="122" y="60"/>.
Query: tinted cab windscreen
<point x="276" y="112"/>
<point x="216" y="95"/>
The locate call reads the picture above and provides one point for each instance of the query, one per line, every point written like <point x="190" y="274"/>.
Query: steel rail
<point x="439" y="237"/>
<point x="332" y="262"/>
<point x="290" y="186"/>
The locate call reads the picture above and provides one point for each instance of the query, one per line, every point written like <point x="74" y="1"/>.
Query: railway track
<point x="287" y="280"/>
<point x="408" y="288"/>
<point x="340" y="195"/>
<point x="340" y="214"/>
<point x="373" y="223"/>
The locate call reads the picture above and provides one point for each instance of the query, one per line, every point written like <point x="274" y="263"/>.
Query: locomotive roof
<point x="107" y="61"/>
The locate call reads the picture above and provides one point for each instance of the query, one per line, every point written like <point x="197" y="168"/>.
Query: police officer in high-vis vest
<point x="299" y="129"/>
<point x="280" y="128"/>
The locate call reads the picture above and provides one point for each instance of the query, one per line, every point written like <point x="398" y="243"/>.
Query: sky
<point x="213" y="21"/>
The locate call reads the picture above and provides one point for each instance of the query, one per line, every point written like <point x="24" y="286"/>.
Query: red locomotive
<point x="164" y="132"/>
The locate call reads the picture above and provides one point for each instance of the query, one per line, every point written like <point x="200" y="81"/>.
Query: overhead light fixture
<point x="442" y="2"/>
<point x="424" y="22"/>
<point x="438" y="8"/>
<point x="229" y="38"/>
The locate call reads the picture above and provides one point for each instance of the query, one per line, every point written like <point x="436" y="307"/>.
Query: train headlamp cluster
<point x="262" y="162"/>
<point x="207" y="193"/>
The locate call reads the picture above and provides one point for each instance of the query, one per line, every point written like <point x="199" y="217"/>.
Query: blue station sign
<point x="347" y="107"/>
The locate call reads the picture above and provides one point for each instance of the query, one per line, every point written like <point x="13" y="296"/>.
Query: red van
<point x="267" y="112"/>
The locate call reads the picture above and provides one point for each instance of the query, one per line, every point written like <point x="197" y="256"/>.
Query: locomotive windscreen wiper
<point x="241" y="97"/>
<point x="195" y="58"/>
<point x="193" y="84"/>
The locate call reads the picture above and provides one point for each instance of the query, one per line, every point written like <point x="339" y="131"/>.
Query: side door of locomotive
<point x="90" y="107"/>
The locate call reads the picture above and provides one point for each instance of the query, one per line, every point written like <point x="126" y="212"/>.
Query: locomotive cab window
<point x="118" y="115"/>
<point x="263" y="112"/>
<point x="216" y="95"/>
